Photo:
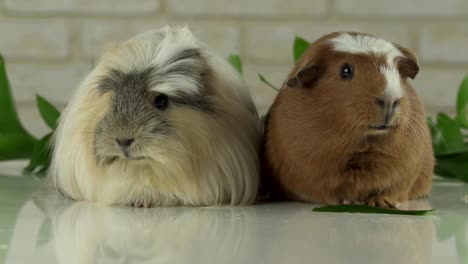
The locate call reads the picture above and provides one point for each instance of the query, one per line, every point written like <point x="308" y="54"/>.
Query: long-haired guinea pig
<point x="348" y="127"/>
<point x="160" y="121"/>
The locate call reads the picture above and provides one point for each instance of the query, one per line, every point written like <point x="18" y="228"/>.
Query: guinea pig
<point x="160" y="121"/>
<point x="347" y="126"/>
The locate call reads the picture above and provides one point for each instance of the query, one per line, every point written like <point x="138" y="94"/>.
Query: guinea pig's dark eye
<point x="346" y="72"/>
<point x="161" y="102"/>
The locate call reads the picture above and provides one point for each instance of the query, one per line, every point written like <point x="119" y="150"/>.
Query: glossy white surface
<point x="40" y="229"/>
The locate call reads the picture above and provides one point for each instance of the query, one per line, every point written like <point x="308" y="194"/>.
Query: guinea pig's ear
<point x="407" y="65"/>
<point x="306" y="75"/>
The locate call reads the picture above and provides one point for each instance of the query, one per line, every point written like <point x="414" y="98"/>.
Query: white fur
<point x="393" y="90"/>
<point x="212" y="162"/>
<point x="365" y="44"/>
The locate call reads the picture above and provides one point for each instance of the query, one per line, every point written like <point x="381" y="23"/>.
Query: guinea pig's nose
<point x="380" y="102"/>
<point x="125" y="142"/>
<point x="388" y="107"/>
<point x="383" y="103"/>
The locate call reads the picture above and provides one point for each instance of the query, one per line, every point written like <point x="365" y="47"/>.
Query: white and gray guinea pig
<point x="160" y="121"/>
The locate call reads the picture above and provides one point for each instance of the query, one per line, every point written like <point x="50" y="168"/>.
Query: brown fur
<point x="318" y="147"/>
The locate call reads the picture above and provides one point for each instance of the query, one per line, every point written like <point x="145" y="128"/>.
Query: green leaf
<point x="8" y="117"/>
<point x="49" y="113"/>
<point x="351" y="208"/>
<point x="15" y="141"/>
<point x="453" y="166"/>
<point x="462" y="103"/>
<point x="16" y="146"/>
<point x="442" y="172"/>
<point x="447" y="136"/>
<point x="236" y="62"/>
<point x="267" y="82"/>
<point x="300" y="46"/>
<point x="446" y="154"/>
<point x="41" y="156"/>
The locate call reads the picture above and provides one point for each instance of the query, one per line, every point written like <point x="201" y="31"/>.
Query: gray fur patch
<point x="200" y="103"/>
<point x="132" y="113"/>
<point x="133" y="87"/>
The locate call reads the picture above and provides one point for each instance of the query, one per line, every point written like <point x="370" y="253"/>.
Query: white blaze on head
<point x="365" y="44"/>
<point x="393" y="90"/>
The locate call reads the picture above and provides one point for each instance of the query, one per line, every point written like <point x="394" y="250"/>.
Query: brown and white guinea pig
<point x="160" y="121"/>
<point x="348" y="127"/>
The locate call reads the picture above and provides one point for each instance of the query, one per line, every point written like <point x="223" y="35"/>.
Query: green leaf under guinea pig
<point x="49" y="113"/>
<point x="300" y="46"/>
<point x="363" y="209"/>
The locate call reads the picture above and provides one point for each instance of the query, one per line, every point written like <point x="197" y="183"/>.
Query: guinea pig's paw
<point x="381" y="201"/>
<point x="352" y="202"/>
<point x="142" y="204"/>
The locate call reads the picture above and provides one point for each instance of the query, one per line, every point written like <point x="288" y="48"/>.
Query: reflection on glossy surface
<point x="86" y="233"/>
<point x="50" y="230"/>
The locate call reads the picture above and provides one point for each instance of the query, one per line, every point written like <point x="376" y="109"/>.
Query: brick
<point x="221" y="37"/>
<point x="54" y="82"/>
<point x="273" y="43"/>
<point x="444" y="44"/>
<point x="263" y="95"/>
<point x="34" y="39"/>
<point x="401" y="8"/>
<point x="111" y="7"/>
<point x="437" y="87"/>
<point x="266" y="8"/>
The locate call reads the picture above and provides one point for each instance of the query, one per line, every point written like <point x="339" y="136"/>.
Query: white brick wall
<point x="50" y="45"/>
<point x="34" y="40"/>
<point x="83" y="7"/>
<point x="447" y="44"/>
<point x="53" y="81"/>
<point x="256" y="8"/>
<point x="437" y="86"/>
<point x="96" y="35"/>
<point x="272" y="42"/>
<point x="402" y="8"/>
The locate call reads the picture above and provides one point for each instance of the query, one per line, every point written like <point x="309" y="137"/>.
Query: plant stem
<point x="267" y="82"/>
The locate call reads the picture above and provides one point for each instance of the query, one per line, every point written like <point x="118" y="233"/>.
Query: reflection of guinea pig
<point x="88" y="233"/>
<point x="348" y="126"/>
<point x="160" y="121"/>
